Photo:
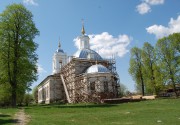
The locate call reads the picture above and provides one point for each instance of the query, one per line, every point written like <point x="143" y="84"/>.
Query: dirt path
<point x="21" y="118"/>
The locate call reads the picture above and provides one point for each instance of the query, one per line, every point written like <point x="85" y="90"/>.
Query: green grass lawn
<point x="7" y="115"/>
<point x="154" y="112"/>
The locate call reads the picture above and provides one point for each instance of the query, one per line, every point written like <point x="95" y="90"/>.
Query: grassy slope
<point x="6" y="116"/>
<point x="164" y="111"/>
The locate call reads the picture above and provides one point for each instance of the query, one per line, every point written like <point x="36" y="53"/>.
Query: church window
<point x="92" y="86"/>
<point x="47" y="91"/>
<point x="106" y="88"/>
<point x="39" y="96"/>
<point x="60" y="64"/>
<point x="43" y="94"/>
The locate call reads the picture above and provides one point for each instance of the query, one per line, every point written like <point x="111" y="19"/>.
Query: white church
<point x="83" y="77"/>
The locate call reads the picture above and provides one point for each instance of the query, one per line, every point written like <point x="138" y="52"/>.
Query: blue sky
<point x="114" y="26"/>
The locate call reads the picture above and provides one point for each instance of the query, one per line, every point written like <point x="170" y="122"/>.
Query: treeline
<point x="154" y="68"/>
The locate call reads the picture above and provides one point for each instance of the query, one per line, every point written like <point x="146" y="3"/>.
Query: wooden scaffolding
<point x="76" y="83"/>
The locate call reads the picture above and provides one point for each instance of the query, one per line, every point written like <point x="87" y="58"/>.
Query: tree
<point x="4" y="95"/>
<point x="150" y="69"/>
<point x="136" y="67"/>
<point x="17" y="49"/>
<point x="27" y="99"/>
<point x="35" y="94"/>
<point x="168" y="50"/>
<point x="122" y="90"/>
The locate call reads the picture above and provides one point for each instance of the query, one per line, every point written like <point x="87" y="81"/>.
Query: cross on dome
<point x="83" y="30"/>
<point x="59" y="50"/>
<point x="59" y="45"/>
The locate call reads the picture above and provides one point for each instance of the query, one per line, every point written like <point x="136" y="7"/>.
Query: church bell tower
<point x="84" y="39"/>
<point x="59" y="60"/>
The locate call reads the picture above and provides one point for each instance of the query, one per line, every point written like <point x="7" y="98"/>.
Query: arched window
<point x="39" y="96"/>
<point x="47" y="90"/>
<point x="92" y="86"/>
<point x="106" y="87"/>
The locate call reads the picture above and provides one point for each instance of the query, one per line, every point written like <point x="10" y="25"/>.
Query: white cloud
<point x="160" y="31"/>
<point x="77" y="42"/>
<point x="107" y="45"/>
<point x="41" y="69"/>
<point x="30" y="2"/>
<point x="143" y="8"/>
<point x="154" y="2"/>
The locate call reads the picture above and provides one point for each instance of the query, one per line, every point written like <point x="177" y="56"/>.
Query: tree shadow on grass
<point x="3" y="115"/>
<point x="7" y="120"/>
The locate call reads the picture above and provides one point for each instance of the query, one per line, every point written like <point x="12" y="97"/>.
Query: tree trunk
<point x="153" y="78"/>
<point x="142" y="85"/>
<point x="153" y="82"/>
<point x="13" y="96"/>
<point x="15" y="67"/>
<point x="15" y="71"/>
<point x="174" y="87"/>
<point x="173" y="83"/>
<point x="142" y="80"/>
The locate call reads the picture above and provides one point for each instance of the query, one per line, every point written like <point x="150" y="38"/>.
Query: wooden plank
<point x="65" y="88"/>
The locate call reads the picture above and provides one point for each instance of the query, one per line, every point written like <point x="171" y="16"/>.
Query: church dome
<point x="87" y="54"/>
<point x="97" y="69"/>
<point x="59" y="50"/>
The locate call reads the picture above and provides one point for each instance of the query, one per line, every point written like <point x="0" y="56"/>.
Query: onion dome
<point x="59" y="50"/>
<point x="97" y="69"/>
<point x="87" y="54"/>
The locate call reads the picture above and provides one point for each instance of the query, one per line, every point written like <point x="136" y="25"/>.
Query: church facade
<point x="83" y="77"/>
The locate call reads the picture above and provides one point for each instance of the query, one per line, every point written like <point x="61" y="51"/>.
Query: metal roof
<point x="59" y="50"/>
<point x="87" y="54"/>
<point x="97" y="69"/>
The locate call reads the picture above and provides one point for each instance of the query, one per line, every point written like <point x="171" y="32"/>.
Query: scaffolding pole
<point x="65" y="88"/>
